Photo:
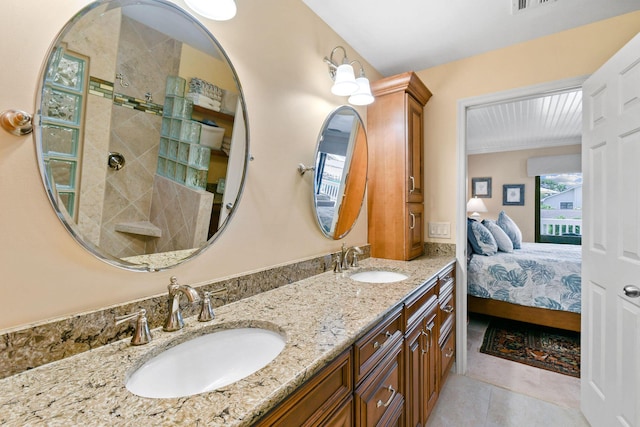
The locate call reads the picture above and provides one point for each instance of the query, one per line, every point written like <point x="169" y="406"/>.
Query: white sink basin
<point x="206" y="363"/>
<point x="378" y="276"/>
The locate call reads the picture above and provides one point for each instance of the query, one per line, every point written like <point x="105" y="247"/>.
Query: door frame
<point x="462" y="180"/>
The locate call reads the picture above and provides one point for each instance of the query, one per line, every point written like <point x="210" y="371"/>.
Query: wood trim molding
<point x="408" y="82"/>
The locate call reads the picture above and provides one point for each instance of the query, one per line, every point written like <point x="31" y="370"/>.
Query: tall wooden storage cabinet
<point x="395" y="183"/>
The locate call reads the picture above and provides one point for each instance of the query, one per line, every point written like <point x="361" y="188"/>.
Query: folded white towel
<point x="203" y="101"/>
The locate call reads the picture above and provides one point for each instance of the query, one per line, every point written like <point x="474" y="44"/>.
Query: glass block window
<point x="63" y="100"/>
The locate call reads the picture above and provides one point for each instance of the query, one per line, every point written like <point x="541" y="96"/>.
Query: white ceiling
<point x="404" y="35"/>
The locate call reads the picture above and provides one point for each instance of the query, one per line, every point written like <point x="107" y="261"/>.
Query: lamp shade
<point x="476" y="206"/>
<point x="363" y="95"/>
<point x="345" y="81"/>
<point x="218" y="10"/>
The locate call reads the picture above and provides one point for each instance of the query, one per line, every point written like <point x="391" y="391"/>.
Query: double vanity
<point x="355" y="341"/>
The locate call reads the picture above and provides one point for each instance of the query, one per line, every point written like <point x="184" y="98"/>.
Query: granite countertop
<point x="320" y="316"/>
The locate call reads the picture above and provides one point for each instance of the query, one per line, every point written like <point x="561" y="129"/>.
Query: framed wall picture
<point x="481" y="187"/>
<point x="513" y="195"/>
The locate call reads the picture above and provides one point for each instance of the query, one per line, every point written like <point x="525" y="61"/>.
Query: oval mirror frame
<point x="340" y="177"/>
<point x="63" y="125"/>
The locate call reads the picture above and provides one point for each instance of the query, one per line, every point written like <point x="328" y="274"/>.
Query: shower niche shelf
<point x="141" y="228"/>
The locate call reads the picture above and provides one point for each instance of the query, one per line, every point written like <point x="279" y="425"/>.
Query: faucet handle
<point x="337" y="263"/>
<point x="354" y="256"/>
<point x="206" y="312"/>
<point x="141" y="334"/>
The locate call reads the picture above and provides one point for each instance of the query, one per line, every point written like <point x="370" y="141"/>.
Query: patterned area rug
<point x="546" y="348"/>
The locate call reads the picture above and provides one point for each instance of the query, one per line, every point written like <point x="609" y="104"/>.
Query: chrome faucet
<point x="354" y="251"/>
<point x="341" y="261"/>
<point x="174" y="320"/>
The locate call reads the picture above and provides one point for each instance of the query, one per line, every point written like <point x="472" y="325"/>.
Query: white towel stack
<point x="204" y="101"/>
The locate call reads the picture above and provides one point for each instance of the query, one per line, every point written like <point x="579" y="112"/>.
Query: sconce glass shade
<point x="476" y="206"/>
<point x="218" y="10"/>
<point x="345" y="81"/>
<point x="363" y="95"/>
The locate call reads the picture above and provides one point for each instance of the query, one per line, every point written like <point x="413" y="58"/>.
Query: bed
<point x="539" y="283"/>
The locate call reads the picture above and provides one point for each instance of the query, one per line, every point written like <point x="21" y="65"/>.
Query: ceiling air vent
<point x="518" y="6"/>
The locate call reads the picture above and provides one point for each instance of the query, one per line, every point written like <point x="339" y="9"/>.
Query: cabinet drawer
<point x="309" y="405"/>
<point x="379" y="399"/>
<point x="418" y="302"/>
<point x="446" y="280"/>
<point x="447" y="354"/>
<point x="447" y="314"/>
<point x="371" y="348"/>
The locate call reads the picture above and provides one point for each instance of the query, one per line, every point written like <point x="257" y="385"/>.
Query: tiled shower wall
<point x="148" y="59"/>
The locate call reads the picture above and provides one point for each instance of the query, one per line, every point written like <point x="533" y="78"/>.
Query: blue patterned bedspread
<point x="542" y="275"/>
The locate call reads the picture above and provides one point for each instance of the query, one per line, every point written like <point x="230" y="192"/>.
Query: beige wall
<point x="277" y="48"/>
<point x="510" y="167"/>
<point x="572" y="53"/>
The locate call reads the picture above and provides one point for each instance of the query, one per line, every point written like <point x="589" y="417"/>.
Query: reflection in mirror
<point x="141" y="134"/>
<point x="340" y="172"/>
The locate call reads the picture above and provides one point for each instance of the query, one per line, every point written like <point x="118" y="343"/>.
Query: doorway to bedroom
<point x="513" y="143"/>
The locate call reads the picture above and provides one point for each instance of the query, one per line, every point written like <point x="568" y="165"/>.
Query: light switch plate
<point x="440" y="230"/>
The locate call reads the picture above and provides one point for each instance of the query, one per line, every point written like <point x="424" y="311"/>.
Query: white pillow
<point x="503" y="241"/>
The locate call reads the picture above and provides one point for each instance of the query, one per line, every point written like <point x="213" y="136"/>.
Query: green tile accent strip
<point x="100" y="87"/>
<point x="137" y="104"/>
<point x="104" y="89"/>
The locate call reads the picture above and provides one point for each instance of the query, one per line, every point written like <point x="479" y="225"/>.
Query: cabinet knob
<point x="632" y="291"/>
<point x="447" y="309"/>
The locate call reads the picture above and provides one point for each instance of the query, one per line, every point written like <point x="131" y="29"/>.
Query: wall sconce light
<point x="344" y="80"/>
<point x="476" y="206"/>
<point x="218" y="10"/>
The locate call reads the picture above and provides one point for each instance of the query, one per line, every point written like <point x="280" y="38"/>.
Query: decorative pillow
<point x="481" y="239"/>
<point x="504" y="242"/>
<point x="511" y="229"/>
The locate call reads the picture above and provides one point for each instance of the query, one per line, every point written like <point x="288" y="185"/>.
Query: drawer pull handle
<point x="413" y="184"/>
<point x="413" y="221"/>
<point x="377" y="345"/>
<point x="393" y="394"/>
<point x="447" y="309"/>
<point x="427" y="340"/>
<point x="450" y="353"/>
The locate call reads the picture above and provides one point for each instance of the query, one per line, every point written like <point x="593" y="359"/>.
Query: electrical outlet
<point x="440" y="230"/>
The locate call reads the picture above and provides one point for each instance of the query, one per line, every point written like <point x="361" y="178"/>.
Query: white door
<point x="611" y="242"/>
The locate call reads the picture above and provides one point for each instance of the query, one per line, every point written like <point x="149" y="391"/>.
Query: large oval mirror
<point x="340" y="172"/>
<point x="141" y="133"/>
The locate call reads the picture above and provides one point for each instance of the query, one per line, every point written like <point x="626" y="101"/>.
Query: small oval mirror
<point x="141" y="133"/>
<point x="340" y="172"/>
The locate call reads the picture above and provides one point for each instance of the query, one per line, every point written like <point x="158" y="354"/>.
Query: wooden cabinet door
<point x="414" y="345"/>
<point x="343" y="417"/>
<point x="421" y="347"/>
<point x="324" y="392"/>
<point x="430" y="360"/>
<point x="414" y="150"/>
<point x="414" y="240"/>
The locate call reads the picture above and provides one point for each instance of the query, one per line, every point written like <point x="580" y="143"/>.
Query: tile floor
<point x="500" y="393"/>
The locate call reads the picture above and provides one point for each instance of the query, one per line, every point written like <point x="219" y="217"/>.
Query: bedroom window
<point x="559" y="208"/>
